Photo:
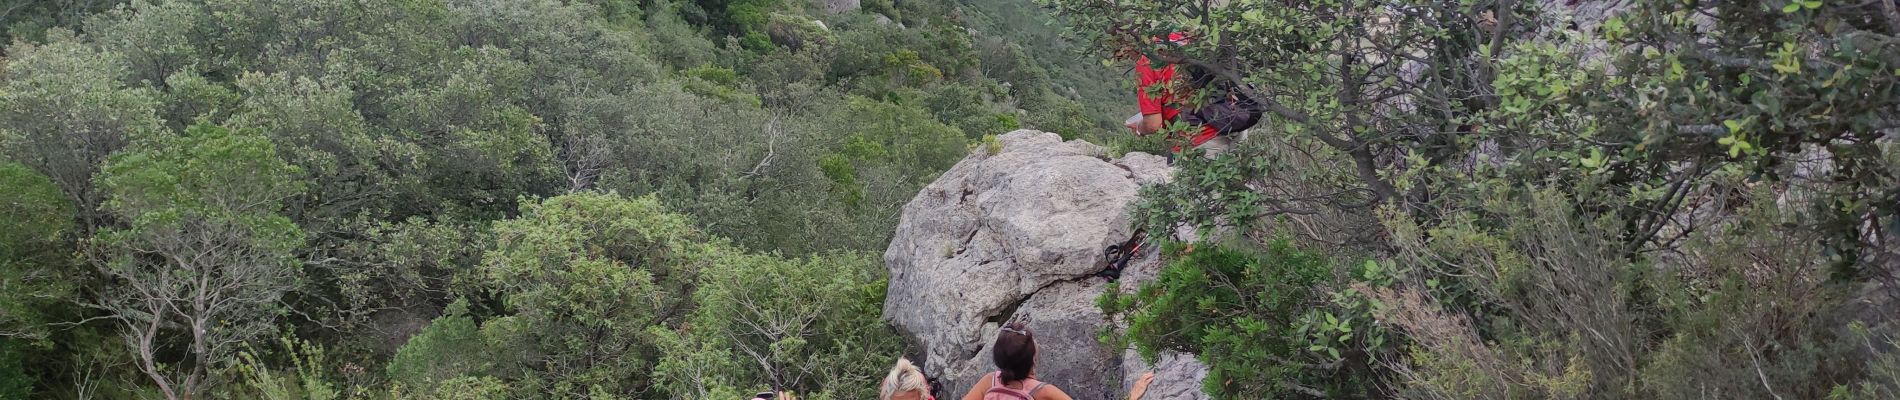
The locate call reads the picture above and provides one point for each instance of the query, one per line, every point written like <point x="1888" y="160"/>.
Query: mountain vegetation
<point x="448" y="199"/>
<point x="476" y="199"/>
<point x="1501" y="199"/>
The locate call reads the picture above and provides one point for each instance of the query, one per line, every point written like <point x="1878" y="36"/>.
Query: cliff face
<point x="1018" y="235"/>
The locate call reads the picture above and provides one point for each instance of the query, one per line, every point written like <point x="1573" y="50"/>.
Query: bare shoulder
<point x="1051" y="392"/>
<point x="982" y="386"/>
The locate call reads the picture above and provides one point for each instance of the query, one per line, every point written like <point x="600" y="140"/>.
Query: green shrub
<point x="309" y="379"/>
<point x="718" y="83"/>
<point x="1250" y="314"/>
<point x="808" y="325"/>
<point x="886" y="8"/>
<point x="837" y="167"/>
<point x="462" y="388"/>
<point x="15" y="380"/>
<point x="450" y="347"/>
<point x="31" y="261"/>
<point x="757" y="42"/>
<point x="991" y="145"/>
<point x="1883" y="366"/>
<point x="797" y="32"/>
<point x="715" y="75"/>
<point x="593" y="268"/>
<point x="1540" y="304"/>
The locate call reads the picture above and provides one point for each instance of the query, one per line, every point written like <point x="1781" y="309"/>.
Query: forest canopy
<point x="475" y="199"/>
<point x="486" y="198"/>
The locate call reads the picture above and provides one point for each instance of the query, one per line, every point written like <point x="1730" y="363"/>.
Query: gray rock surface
<point x="1017" y="235"/>
<point x="1177" y="376"/>
<point x="840" y="6"/>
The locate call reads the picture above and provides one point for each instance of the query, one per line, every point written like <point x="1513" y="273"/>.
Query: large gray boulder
<point x="1018" y="235"/>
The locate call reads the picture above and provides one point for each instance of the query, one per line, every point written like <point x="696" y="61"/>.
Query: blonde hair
<point x="904" y="377"/>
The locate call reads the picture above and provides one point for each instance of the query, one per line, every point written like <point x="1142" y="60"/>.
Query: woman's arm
<point x="1141" y="386"/>
<point x="976" y="391"/>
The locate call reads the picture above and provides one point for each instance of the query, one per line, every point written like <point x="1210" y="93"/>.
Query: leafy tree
<point x="560" y="42"/>
<point x="1576" y="320"/>
<point x="191" y="96"/>
<point x="804" y="325"/>
<point x="481" y="148"/>
<point x="31" y="20"/>
<point x="310" y="380"/>
<point x="363" y="152"/>
<point x="618" y="10"/>
<point x="583" y="277"/>
<point x="676" y="42"/>
<point x="415" y="265"/>
<point x="31" y="263"/>
<point x="15" y="381"/>
<point x="696" y="368"/>
<point x="204" y="256"/>
<point x="1774" y="86"/>
<point x="887" y="8"/>
<point x="877" y="155"/>
<point x="317" y="128"/>
<point x="374" y="50"/>
<point x="156" y="39"/>
<point x="1569" y="222"/>
<point x="35" y="273"/>
<point x="465" y="388"/>
<point x="65" y="109"/>
<point x="449" y="348"/>
<point x="1016" y="41"/>
<point x="1328" y="72"/>
<point x="739" y="17"/>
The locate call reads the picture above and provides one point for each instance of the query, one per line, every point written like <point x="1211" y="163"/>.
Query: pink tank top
<point x="1000" y="392"/>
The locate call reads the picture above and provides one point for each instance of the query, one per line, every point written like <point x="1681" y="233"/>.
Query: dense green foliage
<point x="1255" y="307"/>
<point x="448" y="199"/>
<point x="468" y="199"/>
<point x="39" y="215"/>
<point x="203" y="250"/>
<point x="1670" y="200"/>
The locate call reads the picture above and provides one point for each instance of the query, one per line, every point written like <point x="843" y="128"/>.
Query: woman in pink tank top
<point x="1015" y="378"/>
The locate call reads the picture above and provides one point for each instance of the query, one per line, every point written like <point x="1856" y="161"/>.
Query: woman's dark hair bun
<point x="1014" y="352"/>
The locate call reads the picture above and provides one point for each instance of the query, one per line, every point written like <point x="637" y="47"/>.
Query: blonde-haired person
<point x="905" y="382"/>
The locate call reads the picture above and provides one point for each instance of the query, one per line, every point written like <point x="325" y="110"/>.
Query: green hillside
<point x="485" y="198"/>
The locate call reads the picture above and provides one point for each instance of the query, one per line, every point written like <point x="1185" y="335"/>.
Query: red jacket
<point x="1151" y="92"/>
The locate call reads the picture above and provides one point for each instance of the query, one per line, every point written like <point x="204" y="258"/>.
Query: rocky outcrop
<point x="1018" y="235"/>
<point x="840" y="6"/>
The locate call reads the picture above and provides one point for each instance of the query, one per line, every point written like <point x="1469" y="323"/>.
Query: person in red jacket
<point x="1158" y="96"/>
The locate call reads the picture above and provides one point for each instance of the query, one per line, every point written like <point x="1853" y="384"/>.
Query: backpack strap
<point x="1004" y="390"/>
<point x="996" y="387"/>
<point x="1039" y="385"/>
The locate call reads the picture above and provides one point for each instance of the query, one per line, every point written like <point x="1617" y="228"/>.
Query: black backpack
<point x="1224" y="109"/>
